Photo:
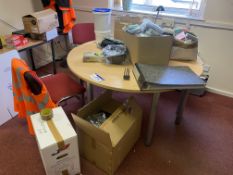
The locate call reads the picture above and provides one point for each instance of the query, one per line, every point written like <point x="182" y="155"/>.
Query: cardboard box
<point x="120" y="22"/>
<point x="107" y="146"/>
<point x="40" y="22"/>
<point x="187" y="54"/>
<point x="144" y="49"/>
<point x="47" y="36"/>
<point x="58" y="143"/>
<point x="148" y="50"/>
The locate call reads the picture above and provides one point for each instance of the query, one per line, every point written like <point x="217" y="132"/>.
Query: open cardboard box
<point x="107" y="146"/>
<point x="143" y="49"/>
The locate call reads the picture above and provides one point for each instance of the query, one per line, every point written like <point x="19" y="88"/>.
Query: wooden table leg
<point x="90" y="95"/>
<point x="151" y="121"/>
<point x="53" y="57"/>
<point x="32" y="59"/>
<point x="181" y="105"/>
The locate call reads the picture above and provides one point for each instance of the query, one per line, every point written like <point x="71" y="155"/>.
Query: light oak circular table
<point x="113" y="79"/>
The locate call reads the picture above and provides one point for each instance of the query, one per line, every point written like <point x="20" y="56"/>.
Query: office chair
<point x="83" y="32"/>
<point x="60" y="86"/>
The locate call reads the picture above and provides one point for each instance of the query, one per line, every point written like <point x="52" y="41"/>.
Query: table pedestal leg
<point x="151" y="121"/>
<point x="53" y="57"/>
<point x="180" y="108"/>
<point x="90" y="95"/>
<point x="32" y="59"/>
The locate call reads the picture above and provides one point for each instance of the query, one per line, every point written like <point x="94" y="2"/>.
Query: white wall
<point x="216" y="49"/>
<point x="215" y="45"/>
<point x="89" y="4"/>
<point x="219" y="11"/>
<point x="92" y="3"/>
<point x="12" y="12"/>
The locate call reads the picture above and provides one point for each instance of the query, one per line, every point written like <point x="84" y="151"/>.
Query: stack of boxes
<point x="42" y="25"/>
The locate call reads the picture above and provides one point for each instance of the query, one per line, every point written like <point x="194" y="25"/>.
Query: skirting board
<point x="220" y="92"/>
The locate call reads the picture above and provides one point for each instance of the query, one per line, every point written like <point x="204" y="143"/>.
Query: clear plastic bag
<point x="97" y="119"/>
<point x="115" y="54"/>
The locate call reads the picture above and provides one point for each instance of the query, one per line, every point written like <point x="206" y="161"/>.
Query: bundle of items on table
<point x="149" y="43"/>
<point x="150" y="47"/>
<point x="113" y="52"/>
<point x="145" y="42"/>
<point x="15" y="41"/>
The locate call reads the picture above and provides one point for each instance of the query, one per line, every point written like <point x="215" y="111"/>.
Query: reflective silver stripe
<point x="26" y="98"/>
<point x="30" y="112"/>
<point x="19" y="81"/>
<point x="20" y="98"/>
<point x="29" y="99"/>
<point x="18" y="69"/>
<point x="44" y="102"/>
<point x="17" y="85"/>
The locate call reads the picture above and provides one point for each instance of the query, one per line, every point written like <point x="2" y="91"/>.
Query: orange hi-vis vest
<point x="68" y="15"/>
<point x="25" y="102"/>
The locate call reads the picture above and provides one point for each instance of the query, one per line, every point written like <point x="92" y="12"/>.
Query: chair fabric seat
<point x="61" y="85"/>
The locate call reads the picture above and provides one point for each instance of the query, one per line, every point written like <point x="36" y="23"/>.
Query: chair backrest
<point x="83" y="32"/>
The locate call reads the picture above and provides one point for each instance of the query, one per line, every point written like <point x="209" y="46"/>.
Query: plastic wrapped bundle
<point x="97" y="119"/>
<point x="115" y="54"/>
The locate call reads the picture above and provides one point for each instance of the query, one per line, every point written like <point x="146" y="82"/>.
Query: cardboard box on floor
<point x="143" y="49"/>
<point x="58" y="143"/>
<point x="40" y="22"/>
<point x="107" y="146"/>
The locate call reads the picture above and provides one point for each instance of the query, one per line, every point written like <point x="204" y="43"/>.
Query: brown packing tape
<point x="46" y="114"/>
<point x="65" y="172"/>
<point x="93" y="143"/>
<point x="56" y="134"/>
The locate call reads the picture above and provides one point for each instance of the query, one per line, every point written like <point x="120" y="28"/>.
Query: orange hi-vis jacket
<point x="25" y="102"/>
<point x="68" y="14"/>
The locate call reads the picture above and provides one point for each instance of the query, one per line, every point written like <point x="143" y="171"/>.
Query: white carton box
<point x="46" y="36"/>
<point x="6" y="102"/>
<point x="50" y="34"/>
<point x="58" y="144"/>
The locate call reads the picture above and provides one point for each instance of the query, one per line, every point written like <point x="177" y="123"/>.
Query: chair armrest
<point x="63" y="99"/>
<point x="46" y="76"/>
